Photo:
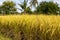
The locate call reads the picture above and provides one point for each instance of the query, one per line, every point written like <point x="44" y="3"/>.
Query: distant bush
<point x="8" y="7"/>
<point x="47" y="8"/>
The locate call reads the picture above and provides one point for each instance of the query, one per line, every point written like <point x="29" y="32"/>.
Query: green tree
<point x="33" y="3"/>
<point x="47" y="7"/>
<point x="8" y="7"/>
<point x="28" y="10"/>
<point x="24" y="7"/>
<point x="1" y="10"/>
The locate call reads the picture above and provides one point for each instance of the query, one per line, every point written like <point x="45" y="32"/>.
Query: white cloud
<point x="58" y="1"/>
<point x="0" y="3"/>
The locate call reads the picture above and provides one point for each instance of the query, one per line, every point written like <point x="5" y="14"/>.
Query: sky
<point x="20" y="1"/>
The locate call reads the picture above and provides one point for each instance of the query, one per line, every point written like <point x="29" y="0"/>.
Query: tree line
<point x="9" y="7"/>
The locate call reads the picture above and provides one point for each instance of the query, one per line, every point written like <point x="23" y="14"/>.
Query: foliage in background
<point x="33" y="3"/>
<point x="8" y="7"/>
<point x="24" y="7"/>
<point x="47" y="7"/>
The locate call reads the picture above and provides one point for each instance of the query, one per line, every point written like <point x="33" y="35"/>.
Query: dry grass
<point x="30" y="27"/>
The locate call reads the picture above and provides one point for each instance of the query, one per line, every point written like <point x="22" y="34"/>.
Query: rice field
<point x="30" y="27"/>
